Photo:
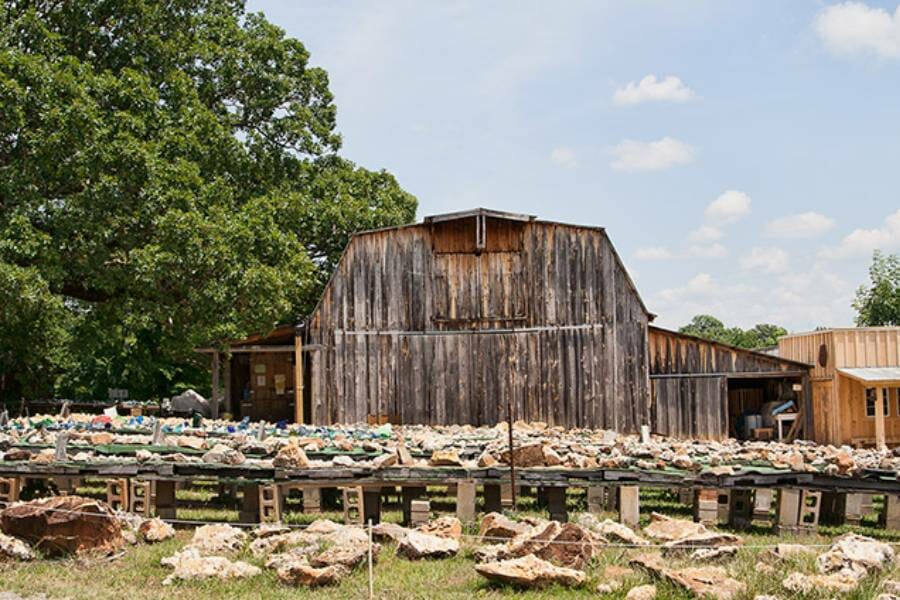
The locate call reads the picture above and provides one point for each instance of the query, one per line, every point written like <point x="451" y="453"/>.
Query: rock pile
<point x="537" y="445"/>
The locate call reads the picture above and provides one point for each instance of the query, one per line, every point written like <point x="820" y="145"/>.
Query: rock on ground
<point x="799" y="583"/>
<point x="449" y="527"/>
<point x="530" y="572"/>
<point x="14" y="549"/>
<point x="617" y="532"/>
<point x="301" y="573"/>
<point x="566" y="544"/>
<point x="641" y="592"/>
<point x="63" y="525"/>
<point x="495" y="525"/>
<point x="190" y="564"/>
<point x="216" y="539"/>
<point x="156" y="530"/>
<point x="851" y="551"/>
<point x="668" y="529"/>
<point x="703" y="582"/>
<point x="389" y="531"/>
<point x="416" y="545"/>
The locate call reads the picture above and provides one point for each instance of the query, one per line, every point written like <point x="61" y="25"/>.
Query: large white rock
<point x="531" y="572"/>
<point x="418" y="545"/>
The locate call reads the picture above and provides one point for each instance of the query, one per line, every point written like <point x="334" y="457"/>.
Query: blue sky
<point x="743" y="156"/>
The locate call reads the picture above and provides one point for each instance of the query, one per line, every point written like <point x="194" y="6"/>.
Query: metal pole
<point x="512" y="455"/>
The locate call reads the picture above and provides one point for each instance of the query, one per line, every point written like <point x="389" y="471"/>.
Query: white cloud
<point x="707" y="251"/>
<point x="564" y="156"/>
<point x="862" y="242"/>
<point x="856" y="28"/>
<point x="705" y="233"/>
<point x="698" y="285"/>
<point x="730" y="207"/>
<point x="801" y="226"/>
<point x="632" y="155"/>
<point x="654" y="253"/>
<point x="650" y="89"/>
<point x="767" y="260"/>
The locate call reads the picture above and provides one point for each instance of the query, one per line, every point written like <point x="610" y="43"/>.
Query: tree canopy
<point x="169" y="177"/>
<point x="711" y="328"/>
<point x="878" y="303"/>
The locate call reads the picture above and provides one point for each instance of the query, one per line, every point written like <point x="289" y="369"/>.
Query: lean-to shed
<point x="704" y="389"/>
<point x="447" y="320"/>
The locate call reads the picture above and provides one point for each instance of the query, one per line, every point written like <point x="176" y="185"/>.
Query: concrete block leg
<point x="312" y="501"/>
<point x="140" y="497"/>
<point x="762" y="505"/>
<point x="506" y="495"/>
<point x="270" y="503"/>
<point x="166" y="504"/>
<point x="10" y="488"/>
<point x="706" y="506"/>
<point x="853" y="509"/>
<point x="117" y="494"/>
<point x="890" y="516"/>
<point x="596" y="499"/>
<point x="420" y="512"/>
<point x="788" y="511"/>
<point x="629" y="505"/>
<point x="465" y="501"/>
<point x="810" y="505"/>
<point x="556" y="504"/>
<point x="353" y="505"/>
<point x="407" y="496"/>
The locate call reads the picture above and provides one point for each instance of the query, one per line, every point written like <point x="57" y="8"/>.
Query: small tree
<point x="878" y="303"/>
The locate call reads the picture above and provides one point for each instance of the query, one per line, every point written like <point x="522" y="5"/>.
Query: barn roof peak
<point x="478" y="212"/>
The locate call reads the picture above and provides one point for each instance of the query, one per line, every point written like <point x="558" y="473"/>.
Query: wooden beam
<point x="226" y="375"/>
<point x="879" y="418"/>
<point x="298" y="378"/>
<point x="214" y="401"/>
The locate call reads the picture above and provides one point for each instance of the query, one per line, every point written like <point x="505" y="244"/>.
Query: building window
<point x="870" y="403"/>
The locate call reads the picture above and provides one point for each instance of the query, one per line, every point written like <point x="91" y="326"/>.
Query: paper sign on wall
<point x="260" y="381"/>
<point x="279" y="383"/>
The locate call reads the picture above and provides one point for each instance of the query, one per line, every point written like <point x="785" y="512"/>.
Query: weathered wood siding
<point x="417" y="328"/>
<point x="690" y="382"/>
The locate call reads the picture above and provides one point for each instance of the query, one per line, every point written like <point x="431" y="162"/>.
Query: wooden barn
<point x="856" y="371"/>
<point x="705" y="389"/>
<point x="452" y="319"/>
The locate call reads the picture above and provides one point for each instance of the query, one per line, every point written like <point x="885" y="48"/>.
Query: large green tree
<point x="168" y="178"/>
<point x="878" y="303"/>
<point x="711" y="328"/>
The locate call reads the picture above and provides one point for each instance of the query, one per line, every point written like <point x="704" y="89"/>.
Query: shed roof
<point x="873" y="375"/>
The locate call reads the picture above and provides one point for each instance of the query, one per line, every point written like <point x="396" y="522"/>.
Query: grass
<point x="138" y="575"/>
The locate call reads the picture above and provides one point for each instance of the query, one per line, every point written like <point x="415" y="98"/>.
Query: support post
<point x="595" y="499"/>
<point x="465" y="501"/>
<point x="372" y="505"/>
<point x="312" y="500"/>
<point x="788" y="511"/>
<point x="214" y="401"/>
<point x="492" y="501"/>
<point x="879" y="418"/>
<point x="629" y="505"/>
<point x="706" y="506"/>
<point x="556" y="504"/>
<point x="298" y="377"/>
<point x="740" y="509"/>
<point x="166" y="504"/>
<point x="890" y="517"/>
<point x="250" y="505"/>
<point x="853" y="509"/>
<point x="407" y="496"/>
<point x="226" y="376"/>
